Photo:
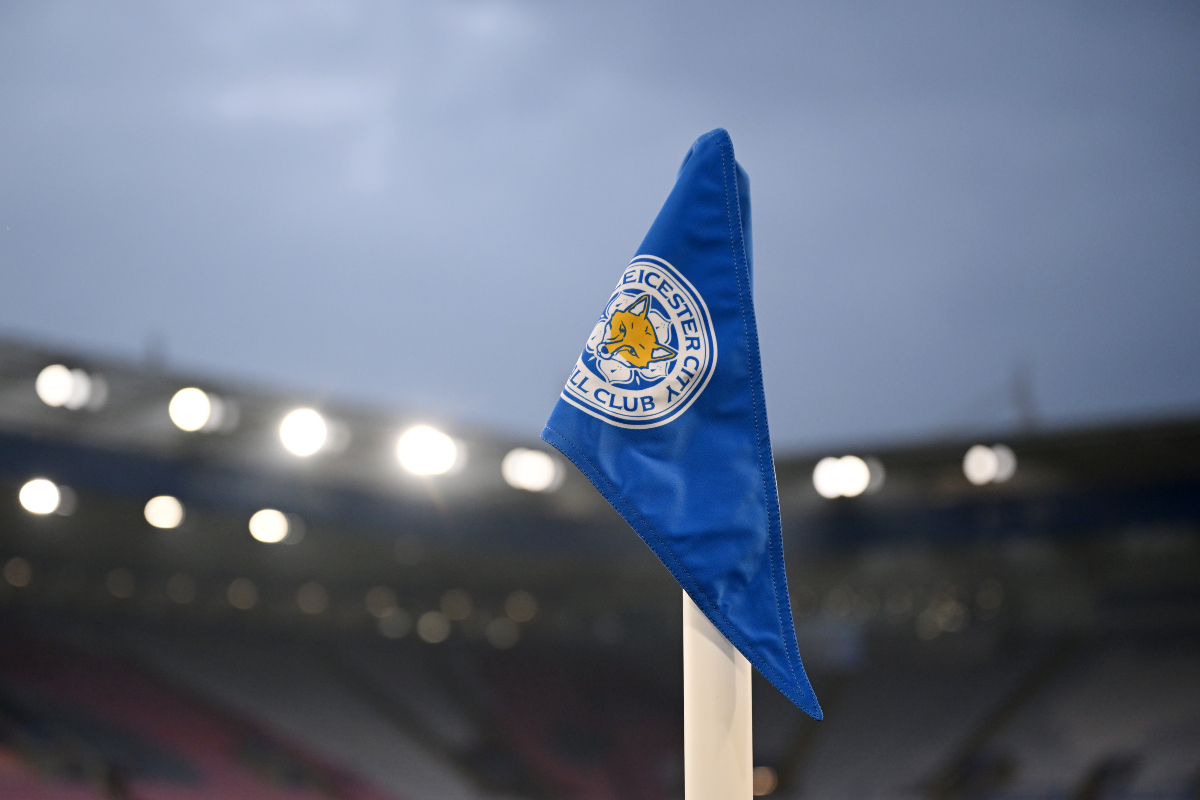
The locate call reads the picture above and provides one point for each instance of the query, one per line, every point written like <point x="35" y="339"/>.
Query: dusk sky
<point x="425" y="205"/>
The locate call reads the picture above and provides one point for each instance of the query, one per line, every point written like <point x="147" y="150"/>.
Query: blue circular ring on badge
<point x="651" y="352"/>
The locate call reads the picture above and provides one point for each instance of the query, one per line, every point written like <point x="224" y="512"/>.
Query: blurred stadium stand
<point x="1030" y="638"/>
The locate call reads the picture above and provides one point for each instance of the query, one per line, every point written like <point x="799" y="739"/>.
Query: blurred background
<point x="289" y="289"/>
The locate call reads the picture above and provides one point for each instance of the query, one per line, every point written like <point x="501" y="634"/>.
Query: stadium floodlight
<point x="396" y="623"/>
<point x="521" y="606"/>
<point x="40" y="496"/>
<point x="983" y="464"/>
<point x="502" y="633"/>
<point x="190" y="409"/>
<point x="18" y="572"/>
<point x="878" y="475"/>
<point x="269" y="526"/>
<point x="54" y="385"/>
<point x="1006" y="462"/>
<point x="380" y="601"/>
<point x="423" y="450"/>
<point x="303" y="432"/>
<point x="856" y="476"/>
<point x="164" y="511"/>
<point x="848" y="476"/>
<point x="531" y="470"/>
<point x="826" y="479"/>
<point x="59" y="387"/>
<point x="242" y="594"/>
<point x="433" y="627"/>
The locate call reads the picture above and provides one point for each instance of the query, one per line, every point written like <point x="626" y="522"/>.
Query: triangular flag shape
<point x="664" y="413"/>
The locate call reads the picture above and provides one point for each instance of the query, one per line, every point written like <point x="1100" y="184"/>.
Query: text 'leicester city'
<point x="651" y="353"/>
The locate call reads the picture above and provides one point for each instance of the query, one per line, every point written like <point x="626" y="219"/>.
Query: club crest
<point x="651" y="352"/>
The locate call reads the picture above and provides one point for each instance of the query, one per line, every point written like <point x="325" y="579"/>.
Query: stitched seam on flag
<point x="726" y="628"/>
<point x="786" y="624"/>
<point x="754" y="406"/>
<point x="783" y="607"/>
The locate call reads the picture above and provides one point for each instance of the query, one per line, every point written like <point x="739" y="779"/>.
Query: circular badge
<point x="651" y="353"/>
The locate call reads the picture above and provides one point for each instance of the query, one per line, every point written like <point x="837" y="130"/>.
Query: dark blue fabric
<point x="700" y="488"/>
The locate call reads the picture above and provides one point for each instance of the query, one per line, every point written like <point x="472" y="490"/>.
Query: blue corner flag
<point x="664" y="413"/>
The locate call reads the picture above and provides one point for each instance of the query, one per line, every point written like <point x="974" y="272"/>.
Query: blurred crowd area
<point x="195" y="610"/>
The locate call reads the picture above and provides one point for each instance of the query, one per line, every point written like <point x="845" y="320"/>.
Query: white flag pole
<point x="718" y="743"/>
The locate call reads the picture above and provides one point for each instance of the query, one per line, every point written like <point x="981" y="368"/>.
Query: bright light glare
<point x="380" y="601"/>
<point x="190" y="409"/>
<point x="878" y="475"/>
<point x="433" y="627"/>
<point x="521" y="606"/>
<point x="848" y="476"/>
<point x="67" y="501"/>
<point x="40" y="496"/>
<point x="423" y="450"/>
<point x="18" y="572"/>
<point x="531" y="470"/>
<point x="981" y="465"/>
<point x="58" y="386"/>
<point x="164" y="511"/>
<point x="396" y="623"/>
<point x="81" y="390"/>
<point x="764" y="782"/>
<point x="1006" y="462"/>
<point x="856" y="475"/>
<point x="826" y="478"/>
<point x="502" y="633"/>
<point x="303" y="432"/>
<point x="54" y="385"/>
<point x="269" y="526"/>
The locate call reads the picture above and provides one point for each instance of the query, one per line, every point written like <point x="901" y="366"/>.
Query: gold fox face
<point x="631" y="334"/>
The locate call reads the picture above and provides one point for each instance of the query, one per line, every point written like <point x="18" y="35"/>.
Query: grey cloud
<point x="363" y="197"/>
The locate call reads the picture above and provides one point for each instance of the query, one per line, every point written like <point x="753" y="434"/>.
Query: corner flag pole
<point x="700" y="490"/>
<point x="718" y="743"/>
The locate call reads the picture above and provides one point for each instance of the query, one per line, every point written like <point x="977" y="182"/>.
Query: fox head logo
<point x="633" y="371"/>
<point x="631" y="334"/>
